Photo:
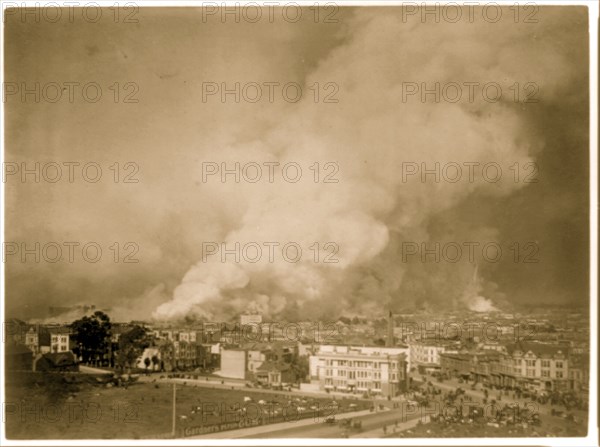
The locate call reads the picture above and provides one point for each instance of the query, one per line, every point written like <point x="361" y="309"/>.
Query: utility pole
<point x="174" y="406"/>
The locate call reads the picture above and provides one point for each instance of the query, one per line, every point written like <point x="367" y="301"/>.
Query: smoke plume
<point x="364" y="221"/>
<point x="369" y="133"/>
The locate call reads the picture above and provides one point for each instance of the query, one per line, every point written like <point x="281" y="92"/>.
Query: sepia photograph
<point x="356" y="223"/>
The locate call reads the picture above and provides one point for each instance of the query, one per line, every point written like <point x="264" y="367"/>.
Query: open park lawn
<point x="86" y="410"/>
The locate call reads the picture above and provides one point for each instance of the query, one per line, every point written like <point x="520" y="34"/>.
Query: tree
<point x="301" y="368"/>
<point x="155" y="362"/>
<point x="131" y="346"/>
<point x="92" y="337"/>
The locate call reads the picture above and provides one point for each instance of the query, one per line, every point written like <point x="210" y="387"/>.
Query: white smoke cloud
<point x="481" y="304"/>
<point x="370" y="133"/>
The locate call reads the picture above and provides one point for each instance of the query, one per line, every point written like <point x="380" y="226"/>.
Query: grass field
<point x="144" y="410"/>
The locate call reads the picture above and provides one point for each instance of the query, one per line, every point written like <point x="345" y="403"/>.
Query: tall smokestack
<point x="389" y="342"/>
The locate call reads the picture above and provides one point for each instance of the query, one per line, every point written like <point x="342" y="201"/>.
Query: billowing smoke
<point x="473" y="299"/>
<point x="481" y="304"/>
<point x="369" y="134"/>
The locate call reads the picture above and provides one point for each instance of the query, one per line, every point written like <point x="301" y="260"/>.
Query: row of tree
<point x="92" y="336"/>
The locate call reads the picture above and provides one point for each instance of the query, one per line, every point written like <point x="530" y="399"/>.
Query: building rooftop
<point x="359" y="354"/>
<point x="539" y="349"/>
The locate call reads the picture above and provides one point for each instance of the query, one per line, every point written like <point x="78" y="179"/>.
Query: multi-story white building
<point x="164" y="334"/>
<point x="176" y="335"/>
<point x="533" y="366"/>
<point x="374" y="370"/>
<point x="425" y="355"/>
<point x="183" y="351"/>
<point x="187" y="336"/>
<point x="37" y="340"/>
<point x="43" y="340"/>
<point x="538" y="365"/>
<point x="393" y="350"/>
<point x="59" y="340"/>
<point x="185" y="354"/>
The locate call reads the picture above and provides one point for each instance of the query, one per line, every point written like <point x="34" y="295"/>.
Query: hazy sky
<point x="369" y="56"/>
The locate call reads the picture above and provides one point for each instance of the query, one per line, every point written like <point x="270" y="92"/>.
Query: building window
<point x="559" y="374"/>
<point x="559" y="365"/>
<point x="545" y="363"/>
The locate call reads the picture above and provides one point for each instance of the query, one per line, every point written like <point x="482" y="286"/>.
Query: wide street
<point x="453" y="384"/>
<point x="372" y="427"/>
